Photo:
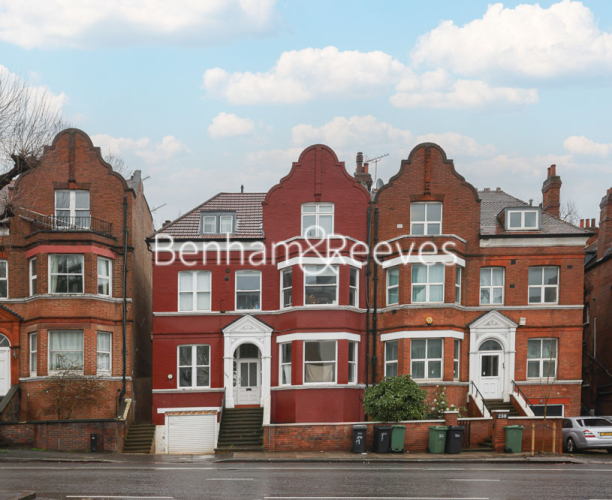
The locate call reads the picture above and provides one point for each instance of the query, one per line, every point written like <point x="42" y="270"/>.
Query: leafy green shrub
<point x="439" y="405"/>
<point x="395" y="399"/>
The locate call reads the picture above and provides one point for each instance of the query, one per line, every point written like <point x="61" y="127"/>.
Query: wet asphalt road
<point x="309" y="481"/>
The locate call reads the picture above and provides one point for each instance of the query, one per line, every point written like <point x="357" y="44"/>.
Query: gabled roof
<point x="248" y="210"/>
<point x="493" y="202"/>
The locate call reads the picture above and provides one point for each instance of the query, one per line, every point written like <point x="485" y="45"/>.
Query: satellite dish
<point x="379" y="183"/>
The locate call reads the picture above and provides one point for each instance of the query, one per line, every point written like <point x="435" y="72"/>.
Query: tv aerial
<point x="375" y="161"/>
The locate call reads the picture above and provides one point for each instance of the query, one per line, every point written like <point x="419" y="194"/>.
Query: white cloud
<point x="87" y="23"/>
<point x="583" y="145"/>
<point x="230" y="125"/>
<point x="527" y="40"/>
<point x="458" y="144"/>
<point x="54" y="102"/>
<point x="144" y="148"/>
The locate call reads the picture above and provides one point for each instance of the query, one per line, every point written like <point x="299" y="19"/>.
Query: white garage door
<point x="192" y="433"/>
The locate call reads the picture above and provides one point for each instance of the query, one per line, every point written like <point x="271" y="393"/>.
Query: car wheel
<point x="570" y="446"/>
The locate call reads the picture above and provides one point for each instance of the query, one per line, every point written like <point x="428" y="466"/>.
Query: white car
<point x="587" y="433"/>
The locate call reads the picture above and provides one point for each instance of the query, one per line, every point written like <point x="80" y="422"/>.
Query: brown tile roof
<point x="493" y="202"/>
<point x="247" y="207"/>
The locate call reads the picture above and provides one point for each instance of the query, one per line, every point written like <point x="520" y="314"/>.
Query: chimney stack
<point x="604" y="239"/>
<point x="551" y="192"/>
<point x="362" y="176"/>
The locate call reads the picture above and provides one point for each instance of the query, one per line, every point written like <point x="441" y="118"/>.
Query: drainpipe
<point x="124" y="326"/>
<point x="375" y="313"/>
<point x="367" y="296"/>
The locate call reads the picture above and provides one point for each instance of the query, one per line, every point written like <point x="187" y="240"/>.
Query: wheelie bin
<point x="397" y="438"/>
<point x="437" y="438"/>
<point x="359" y="438"/>
<point x="382" y="438"/>
<point x="514" y="438"/>
<point x="454" y="438"/>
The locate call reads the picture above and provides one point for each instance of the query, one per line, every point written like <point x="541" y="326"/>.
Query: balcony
<point x="65" y="223"/>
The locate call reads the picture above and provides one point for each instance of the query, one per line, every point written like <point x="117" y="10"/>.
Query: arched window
<point x="4" y="342"/>
<point x="490" y="345"/>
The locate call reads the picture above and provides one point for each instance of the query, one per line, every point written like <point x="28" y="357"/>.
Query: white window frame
<point x="458" y="277"/>
<point x="541" y="359"/>
<point x="491" y="287"/>
<point x="284" y="288"/>
<point x="392" y="361"/>
<point x="427" y="222"/>
<point x="33" y="276"/>
<point x="231" y="221"/>
<point x="427" y="360"/>
<point x="354" y="271"/>
<point x="110" y="354"/>
<point x="352" y="345"/>
<point x="33" y="352"/>
<point x="6" y="278"/>
<point x="389" y="287"/>
<point x="109" y="277"/>
<point x="82" y="274"/>
<point x="522" y="227"/>
<point x="282" y="363"/>
<point x="428" y="284"/>
<point x="543" y="286"/>
<point x="214" y="218"/>
<point x="317" y="215"/>
<point x="336" y="272"/>
<point x="335" y="362"/>
<point x="456" y="359"/>
<point x="194" y="291"/>
<point x="236" y="291"/>
<point x="194" y="366"/>
<point x="72" y="208"/>
<point x="49" y="351"/>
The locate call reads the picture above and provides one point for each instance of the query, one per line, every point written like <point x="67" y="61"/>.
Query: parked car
<point x="587" y="433"/>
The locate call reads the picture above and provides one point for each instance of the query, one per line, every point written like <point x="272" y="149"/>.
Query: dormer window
<point x="218" y="223"/>
<point x="522" y="219"/>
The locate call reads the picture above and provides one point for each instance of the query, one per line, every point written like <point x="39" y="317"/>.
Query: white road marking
<point x="475" y="480"/>
<point x="376" y="498"/>
<point x="229" y="479"/>
<point x="119" y="496"/>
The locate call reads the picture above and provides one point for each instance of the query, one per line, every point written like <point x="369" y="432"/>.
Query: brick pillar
<point x="451" y="418"/>
<point x="500" y="420"/>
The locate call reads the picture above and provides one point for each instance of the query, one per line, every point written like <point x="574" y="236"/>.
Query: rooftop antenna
<point x="157" y="208"/>
<point x="375" y="161"/>
<point x="147" y="177"/>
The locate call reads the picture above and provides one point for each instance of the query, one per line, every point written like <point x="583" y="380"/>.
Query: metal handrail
<point x="70" y="223"/>
<point x="484" y="402"/>
<point x="518" y="389"/>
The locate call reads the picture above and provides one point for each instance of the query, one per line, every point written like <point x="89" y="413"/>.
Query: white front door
<point x="5" y="370"/>
<point x="491" y="376"/>
<point x="248" y="387"/>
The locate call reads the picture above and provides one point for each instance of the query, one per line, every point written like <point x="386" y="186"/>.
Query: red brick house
<point x="492" y="307"/>
<point x="597" y="349"/>
<point x="64" y="302"/>
<point x="255" y="320"/>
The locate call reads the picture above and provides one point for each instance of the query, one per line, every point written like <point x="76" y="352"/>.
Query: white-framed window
<point x="33" y="276"/>
<point x="320" y="361"/>
<point x="352" y="362"/>
<point x="427" y="283"/>
<point x="65" y="350"/>
<point x="66" y="273"/>
<point x="105" y="352"/>
<point x="194" y="366"/>
<point x="217" y="223"/>
<point x="3" y="279"/>
<point x="226" y="224"/>
<point x="456" y="358"/>
<point x="426" y="218"/>
<point x="543" y="285"/>
<point x="426" y="358"/>
<point x="209" y="224"/>
<point x="492" y="285"/>
<point x="541" y="358"/>
<point x="522" y="219"/>
<point x="391" y="358"/>
<point x="105" y="276"/>
<point x="72" y="208"/>
<point x="317" y="219"/>
<point x="354" y="287"/>
<point x="33" y="353"/>
<point x="458" y="272"/>
<point x="285" y="364"/>
<point x="393" y="286"/>
<point x="248" y="290"/>
<point x="320" y="285"/>
<point x="194" y="290"/>
<point x="286" y="287"/>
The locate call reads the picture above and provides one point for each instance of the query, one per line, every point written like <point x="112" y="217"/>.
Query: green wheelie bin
<point x="437" y="438"/>
<point x="514" y="438"/>
<point x="398" y="434"/>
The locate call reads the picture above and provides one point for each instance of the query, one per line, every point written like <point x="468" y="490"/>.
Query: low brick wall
<point x="64" y="435"/>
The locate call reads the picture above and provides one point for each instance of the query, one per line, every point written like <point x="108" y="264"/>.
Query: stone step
<point x="232" y="449"/>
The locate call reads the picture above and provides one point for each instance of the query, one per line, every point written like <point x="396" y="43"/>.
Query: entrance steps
<point x="139" y="438"/>
<point x="498" y="404"/>
<point x="484" y="447"/>
<point x="241" y="430"/>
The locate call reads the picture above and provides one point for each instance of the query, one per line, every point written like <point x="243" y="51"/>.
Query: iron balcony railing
<point x="64" y="223"/>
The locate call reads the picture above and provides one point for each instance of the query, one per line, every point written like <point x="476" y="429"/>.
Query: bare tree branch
<point x="569" y="212"/>
<point x="118" y="164"/>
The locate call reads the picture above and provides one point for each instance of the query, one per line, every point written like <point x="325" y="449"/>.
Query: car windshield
<point x="596" y="422"/>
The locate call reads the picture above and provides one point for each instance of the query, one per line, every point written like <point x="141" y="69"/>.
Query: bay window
<point x="194" y="291"/>
<point x="65" y="350"/>
<point x="320" y="285"/>
<point x="104" y="352"/>
<point x="285" y="364"/>
<point x="320" y="362"/>
<point x="105" y="276"/>
<point x="352" y="362"/>
<point x="194" y="366"/>
<point x="426" y="358"/>
<point x="393" y="286"/>
<point x="3" y="279"/>
<point x="248" y="290"/>
<point x="391" y="357"/>
<point x="456" y="357"/>
<point x="66" y="273"/>
<point x="458" y="272"/>
<point x="33" y="354"/>
<point x="427" y="283"/>
<point x="286" y="287"/>
<point x="354" y="287"/>
<point x="33" y="276"/>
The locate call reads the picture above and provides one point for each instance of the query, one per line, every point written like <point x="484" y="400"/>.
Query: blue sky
<point x="204" y="96"/>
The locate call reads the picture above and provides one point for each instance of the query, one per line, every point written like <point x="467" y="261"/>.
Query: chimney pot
<point x="588" y="223"/>
<point x="593" y="223"/>
<point x="242" y="188"/>
<point x="366" y="167"/>
<point x="498" y="189"/>
<point x="581" y="222"/>
<point x="531" y="202"/>
<point x="359" y="161"/>
<point x="553" y="170"/>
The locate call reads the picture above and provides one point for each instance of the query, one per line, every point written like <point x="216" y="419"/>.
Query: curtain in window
<point x="104" y="351"/>
<point x="320" y="372"/>
<point x="54" y="268"/>
<point x="66" y="350"/>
